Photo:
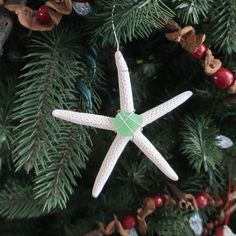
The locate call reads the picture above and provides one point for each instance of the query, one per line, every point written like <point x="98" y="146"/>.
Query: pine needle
<point x="199" y="144"/>
<point x="17" y="201"/>
<point x="223" y="26"/>
<point x="132" y="19"/>
<point x="54" y="149"/>
<point x="190" y="11"/>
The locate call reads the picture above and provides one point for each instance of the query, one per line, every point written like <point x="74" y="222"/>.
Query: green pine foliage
<point x="199" y="144"/>
<point x="130" y="182"/>
<point x="56" y="150"/>
<point x="169" y="220"/>
<point x="7" y="95"/>
<point x="223" y="26"/>
<point x="196" y="183"/>
<point x="132" y="19"/>
<point x="17" y="201"/>
<point x="134" y="174"/>
<point x="53" y="58"/>
<point x="54" y="184"/>
<point x="191" y="11"/>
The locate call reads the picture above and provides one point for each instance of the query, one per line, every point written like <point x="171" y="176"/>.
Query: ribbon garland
<point x="149" y="207"/>
<point x="191" y="42"/>
<point x="27" y="16"/>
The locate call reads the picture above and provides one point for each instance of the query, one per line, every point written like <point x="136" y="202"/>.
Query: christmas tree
<point x="61" y="55"/>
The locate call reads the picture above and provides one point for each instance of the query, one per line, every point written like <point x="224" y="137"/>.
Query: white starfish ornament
<point x="127" y="125"/>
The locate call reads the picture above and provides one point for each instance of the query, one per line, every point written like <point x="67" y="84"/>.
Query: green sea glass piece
<point x="127" y="123"/>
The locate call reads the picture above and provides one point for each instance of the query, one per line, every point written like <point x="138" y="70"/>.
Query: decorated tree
<point x="158" y="80"/>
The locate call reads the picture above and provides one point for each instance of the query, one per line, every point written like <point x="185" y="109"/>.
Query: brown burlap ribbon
<point x="27" y="16"/>
<point x="211" y="65"/>
<point x="188" y="202"/>
<point x="147" y="209"/>
<point x="187" y="38"/>
<point x="113" y="226"/>
<point x="185" y="201"/>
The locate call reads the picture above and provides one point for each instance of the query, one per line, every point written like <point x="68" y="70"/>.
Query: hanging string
<point x="114" y="29"/>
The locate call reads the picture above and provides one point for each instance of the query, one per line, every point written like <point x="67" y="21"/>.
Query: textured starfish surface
<point x="127" y="125"/>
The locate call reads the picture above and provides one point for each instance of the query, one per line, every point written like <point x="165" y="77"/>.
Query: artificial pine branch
<point x="199" y="144"/>
<point x="132" y="19"/>
<point x="17" y="201"/>
<point x="191" y="11"/>
<point x="223" y="26"/>
<point x="57" y="151"/>
<point x="7" y="95"/>
<point x="134" y="173"/>
<point x="196" y="183"/>
<point x="48" y="83"/>
<point x="130" y="183"/>
<point x="54" y="185"/>
<point x="169" y="222"/>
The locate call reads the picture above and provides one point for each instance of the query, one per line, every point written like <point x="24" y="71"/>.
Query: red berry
<point x="200" y="53"/>
<point x="159" y="201"/>
<point x="129" y="221"/>
<point x="42" y="15"/>
<point x="223" y="78"/>
<point x="202" y="200"/>
<point x="219" y="231"/>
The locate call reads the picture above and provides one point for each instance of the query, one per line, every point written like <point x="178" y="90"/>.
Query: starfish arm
<point x="164" y="108"/>
<point x="109" y="162"/>
<point x="150" y="151"/>
<point x="97" y="121"/>
<point x="126" y="97"/>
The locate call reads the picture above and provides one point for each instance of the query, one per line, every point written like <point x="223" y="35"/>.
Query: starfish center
<point x="127" y="123"/>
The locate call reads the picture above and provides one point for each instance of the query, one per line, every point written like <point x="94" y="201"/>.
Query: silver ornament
<point x="132" y="232"/>
<point x="228" y="231"/>
<point x="224" y="142"/>
<point x="195" y="222"/>
<point x="81" y="8"/>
